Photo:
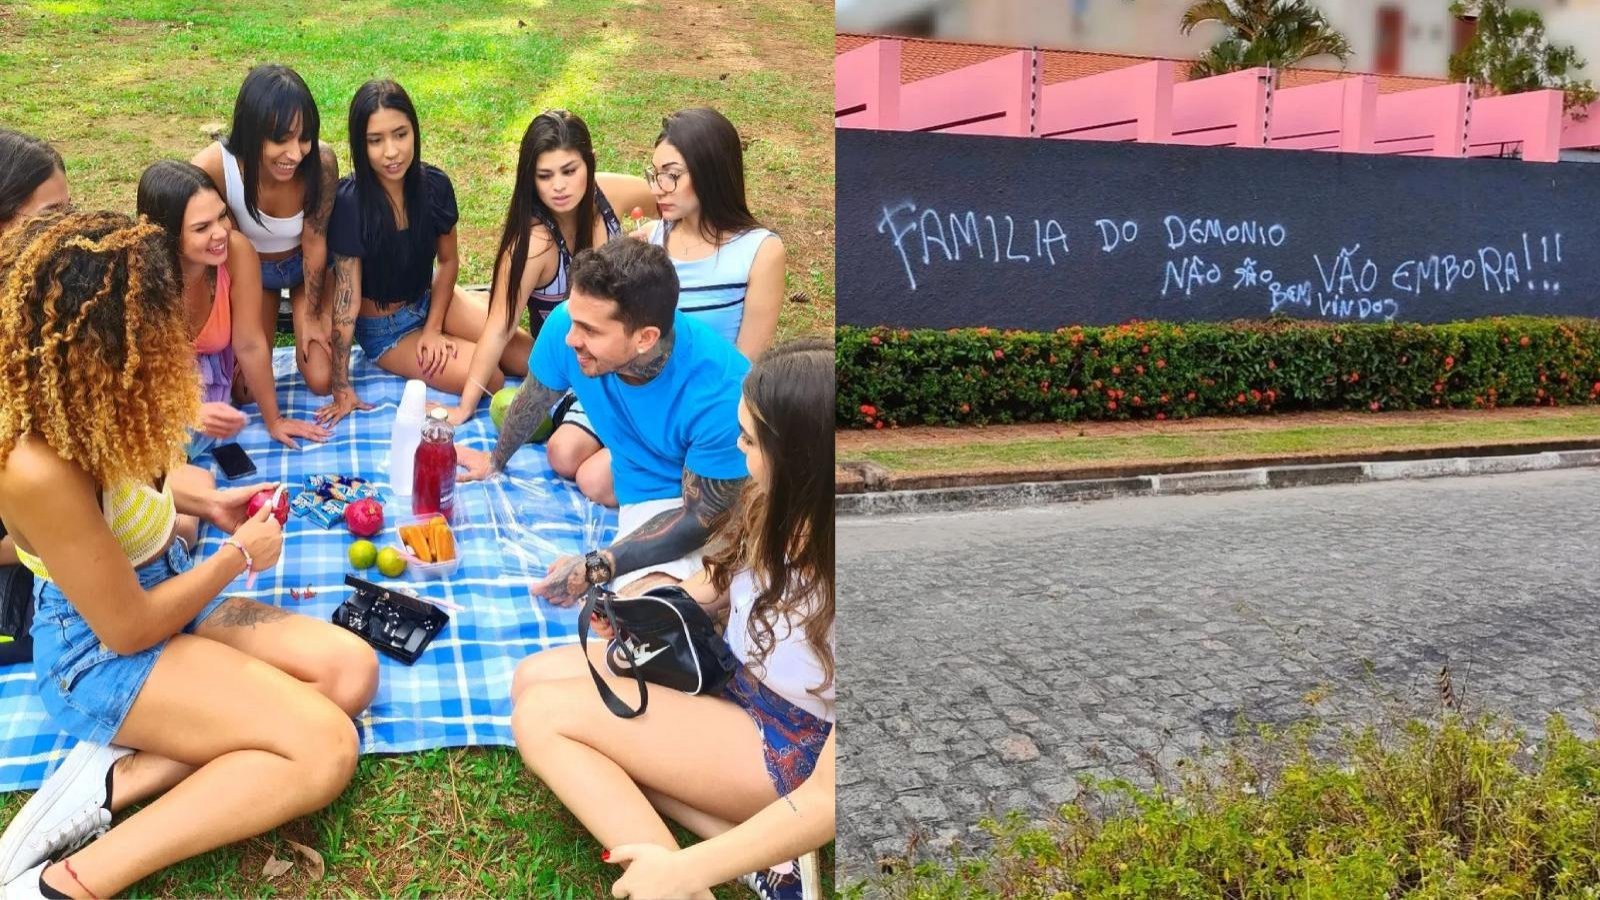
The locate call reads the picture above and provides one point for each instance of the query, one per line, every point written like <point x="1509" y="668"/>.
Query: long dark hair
<point x="380" y="229"/>
<point x="784" y="534"/>
<point x="553" y="129"/>
<point x="270" y="101"/>
<point x="25" y="163"/>
<point x="715" y="159"/>
<point x="165" y="190"/>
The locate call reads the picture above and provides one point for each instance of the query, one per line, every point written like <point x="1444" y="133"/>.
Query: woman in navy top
<point x="393" y="237"/>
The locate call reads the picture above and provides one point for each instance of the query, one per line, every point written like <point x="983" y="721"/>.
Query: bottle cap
<point x="439" y="413"/>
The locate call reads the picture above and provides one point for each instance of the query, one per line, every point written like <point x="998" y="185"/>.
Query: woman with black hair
<point x="278" y="181"/>
<point x="730" y="268"/>
<point x="559" y="206"/>
<point x="32" y="177"/>
<point x="217" y="266"/>
<point x="393" y="237"/>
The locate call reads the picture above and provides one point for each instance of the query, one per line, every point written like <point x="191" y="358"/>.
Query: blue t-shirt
<point x="687" y="417"/>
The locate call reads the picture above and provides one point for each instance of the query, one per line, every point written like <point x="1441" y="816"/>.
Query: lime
<point x="390" y="562"/>
<point x="363" y="554"/>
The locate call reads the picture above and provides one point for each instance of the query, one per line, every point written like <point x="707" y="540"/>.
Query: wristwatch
<point x="597" y="568"/>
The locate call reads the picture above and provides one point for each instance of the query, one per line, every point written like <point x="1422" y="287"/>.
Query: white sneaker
<point x="25" y="886"/>
<point x="66" y="812"/>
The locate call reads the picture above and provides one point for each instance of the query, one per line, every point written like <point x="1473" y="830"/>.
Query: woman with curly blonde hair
<point x="236" y="713"/>
<point x="762" y="795"/>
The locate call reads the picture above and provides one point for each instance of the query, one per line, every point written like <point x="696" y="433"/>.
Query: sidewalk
<point x="857" y="477"/>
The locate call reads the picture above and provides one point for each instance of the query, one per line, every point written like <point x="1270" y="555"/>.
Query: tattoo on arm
<point x="678" y="532"/>
<point x="344" y="318"/>
<point x="239" y="612"/>
<point x="318" y="220"/>
<point x="530" y="407"/>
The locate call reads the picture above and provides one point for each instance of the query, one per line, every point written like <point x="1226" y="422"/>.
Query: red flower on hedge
<point x="878" y="424"/>
<point x="1449" y="362"/>
<point x="875" y="341"/>
<point x="1161" y="364"/>
<point x="966" y="407"/>
<point x="1189" y="396"/>
<point x="1255" y="395"/>
<point x="1116" y="370"/>
<point x="1239" y="399"/>
<point x="868" y="410"/>
<point x="1160" y="416"/>
<point x="1272" y="364"/>
<point x="1111" y="404"/>
<point x="1373" y="406"/>
<point x="1138" y="370"/>
<point x="1355" y="377"/>
<point x="999" y="354"/>
<point x="1524" y="341"/>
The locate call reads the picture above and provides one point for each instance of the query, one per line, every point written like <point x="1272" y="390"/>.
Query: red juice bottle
<point x="433" y="479"/>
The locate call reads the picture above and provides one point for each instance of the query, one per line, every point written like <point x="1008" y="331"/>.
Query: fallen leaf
<point x="521" y="24"/>
<point x="799" y="297"/>
<point x="313" y="859"/>
<point x="276" y="867"/>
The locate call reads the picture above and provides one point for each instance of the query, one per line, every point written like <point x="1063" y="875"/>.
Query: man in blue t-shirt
<point x="662" y="392"/>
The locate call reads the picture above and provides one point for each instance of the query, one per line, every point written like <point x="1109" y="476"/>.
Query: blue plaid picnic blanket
<point x="507" y="532"/>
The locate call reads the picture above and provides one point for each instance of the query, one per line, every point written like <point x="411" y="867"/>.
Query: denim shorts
<point x="377" y="335"/>
<point x="87" y="688"/>
<point x="791" y="738"/>
<point x="277" y="274"/>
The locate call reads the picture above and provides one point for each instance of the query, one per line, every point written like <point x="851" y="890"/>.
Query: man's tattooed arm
<point x="678" y="532"/>
<point x="315" y="234"/>
<point x="346" y="281"/>
<point x="527" y="411"/>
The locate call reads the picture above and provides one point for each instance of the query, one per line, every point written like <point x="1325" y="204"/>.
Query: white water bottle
<point x="406" y="435"/>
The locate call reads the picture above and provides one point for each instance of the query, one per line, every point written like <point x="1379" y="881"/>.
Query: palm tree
<point x="1277" y="33"/>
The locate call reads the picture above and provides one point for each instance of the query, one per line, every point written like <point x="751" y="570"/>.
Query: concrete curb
<point x="1004" y="496"/>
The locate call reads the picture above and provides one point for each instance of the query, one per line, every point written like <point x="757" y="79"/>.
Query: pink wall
<point x="1146" y="102"/>
<point x="1225" y="110"/>
<point x="993" y="97"/>
<point x="1529" y="122"/>
<point x="1425" y="122"/>
<point x="1132" y="104"/>
<point x="1333" y="115"/>
<point x="866" y="87"/>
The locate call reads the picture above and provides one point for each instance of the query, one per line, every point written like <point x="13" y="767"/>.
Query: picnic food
<point x="363" y="554"/>
<point x="391" y="563"/>
<point x="263" y="497"/>
<point x="430" y="541"/>
<point x="364" y="517"/>
<point x="499" y="404"/>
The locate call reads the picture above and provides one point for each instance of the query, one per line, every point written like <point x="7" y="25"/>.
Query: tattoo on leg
<point x="241" y="612"/>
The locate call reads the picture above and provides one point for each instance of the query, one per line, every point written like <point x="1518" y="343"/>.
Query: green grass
<point x="458" y="822"/>
<point x="1435" y="810"/>
<point x="117" y="86"/>
<point x="1196" y="444"/>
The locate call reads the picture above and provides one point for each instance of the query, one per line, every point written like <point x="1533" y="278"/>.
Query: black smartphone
<point x="234" y="461"/>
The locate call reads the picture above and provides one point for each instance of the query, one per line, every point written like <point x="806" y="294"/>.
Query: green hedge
<point x="1156" y="370"/>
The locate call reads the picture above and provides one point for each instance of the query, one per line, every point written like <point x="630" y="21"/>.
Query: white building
<point x="1404" y="37"/>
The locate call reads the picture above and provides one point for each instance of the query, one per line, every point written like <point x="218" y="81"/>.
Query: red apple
<point x="364" y="517"/>
<point x="263" y="497"/>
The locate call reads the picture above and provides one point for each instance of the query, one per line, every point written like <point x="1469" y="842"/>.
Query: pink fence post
<point x="1424" y="122"/>
<point x="1529" y="122"/>
<point x="992" y="97"/>
<point x="1131" y="104"/>
<point x="1223" y="110"/>
<point x="866" y="87"/>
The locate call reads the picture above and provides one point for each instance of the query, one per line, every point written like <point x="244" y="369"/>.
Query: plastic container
<point x="421" y="571"/>
<point x="406" y="435"/>
<point x="433" y="489"/>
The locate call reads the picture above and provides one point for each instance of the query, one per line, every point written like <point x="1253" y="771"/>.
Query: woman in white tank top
<point x="762" y="795"/>
<point x="278" y="180"/>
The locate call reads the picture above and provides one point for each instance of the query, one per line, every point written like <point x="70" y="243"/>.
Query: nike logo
<point x="641" y="654"/>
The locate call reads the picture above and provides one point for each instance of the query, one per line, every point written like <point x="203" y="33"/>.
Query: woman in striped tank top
<point x="559" y="206"/>
<point x="730" y="268"/>
<point x="239" y="709"/>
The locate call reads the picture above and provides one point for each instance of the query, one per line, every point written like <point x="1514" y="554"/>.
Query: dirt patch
<point x="930" y="437"/>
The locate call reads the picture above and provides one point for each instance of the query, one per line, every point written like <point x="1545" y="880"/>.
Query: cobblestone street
<point x="987" y="659"/>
